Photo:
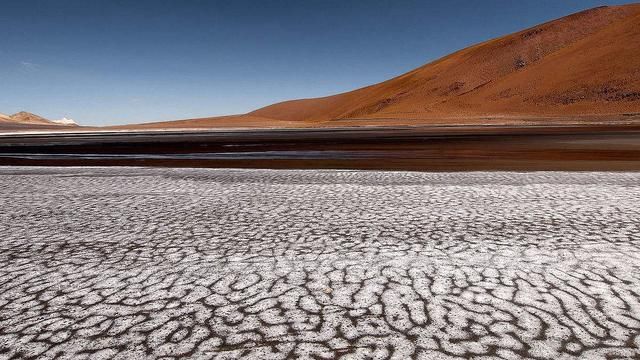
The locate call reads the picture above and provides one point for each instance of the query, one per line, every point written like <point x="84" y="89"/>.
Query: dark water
<point x="482" y="148"/>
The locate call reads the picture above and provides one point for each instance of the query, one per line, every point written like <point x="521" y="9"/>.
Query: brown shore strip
<point x="421" y="148"/>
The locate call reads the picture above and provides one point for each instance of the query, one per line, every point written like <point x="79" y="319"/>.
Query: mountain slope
<point x="231" y="121"/>
<point x="24" y="117"/>
<point x="5" y="118"/>
<point x="583" y="64"/>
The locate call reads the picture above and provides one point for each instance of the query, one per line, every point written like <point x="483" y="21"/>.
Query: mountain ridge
<point x="27" y="118"/>
<point x="464" y="82"/>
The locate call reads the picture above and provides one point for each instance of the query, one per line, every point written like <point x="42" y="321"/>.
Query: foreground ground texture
<point x="140" y="263"/>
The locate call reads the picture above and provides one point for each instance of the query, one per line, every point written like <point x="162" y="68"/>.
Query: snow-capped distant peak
<point x="65" y="121"/>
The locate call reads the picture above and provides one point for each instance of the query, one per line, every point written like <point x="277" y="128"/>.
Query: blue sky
<point x="112" y="62"/>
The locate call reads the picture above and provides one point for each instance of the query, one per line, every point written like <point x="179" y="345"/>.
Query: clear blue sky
<point x="110" y="62"/>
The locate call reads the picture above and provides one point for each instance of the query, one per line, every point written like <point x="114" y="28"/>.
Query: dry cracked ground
<point x="134" y="263"/>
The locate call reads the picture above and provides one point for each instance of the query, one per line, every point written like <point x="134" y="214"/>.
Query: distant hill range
<point x="26" y="119"/>
<point x="580" y="66"/>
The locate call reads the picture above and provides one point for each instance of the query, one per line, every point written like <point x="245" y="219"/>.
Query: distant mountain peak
<point x="24" y="117"/>
<point x="65" y="121"/>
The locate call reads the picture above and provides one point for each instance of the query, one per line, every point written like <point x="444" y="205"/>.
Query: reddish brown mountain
<point x="24" y="117"/>
<point x="581" y="67"/>
<point x="583" y="64"/>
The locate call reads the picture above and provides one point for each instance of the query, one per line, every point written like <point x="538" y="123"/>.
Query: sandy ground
<point x="149" y="262"/>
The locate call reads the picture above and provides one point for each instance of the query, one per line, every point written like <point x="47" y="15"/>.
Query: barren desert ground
<point x="131" y="263"/>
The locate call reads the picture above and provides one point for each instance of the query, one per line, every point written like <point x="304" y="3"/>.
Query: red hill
<point x="583" y="64"/>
